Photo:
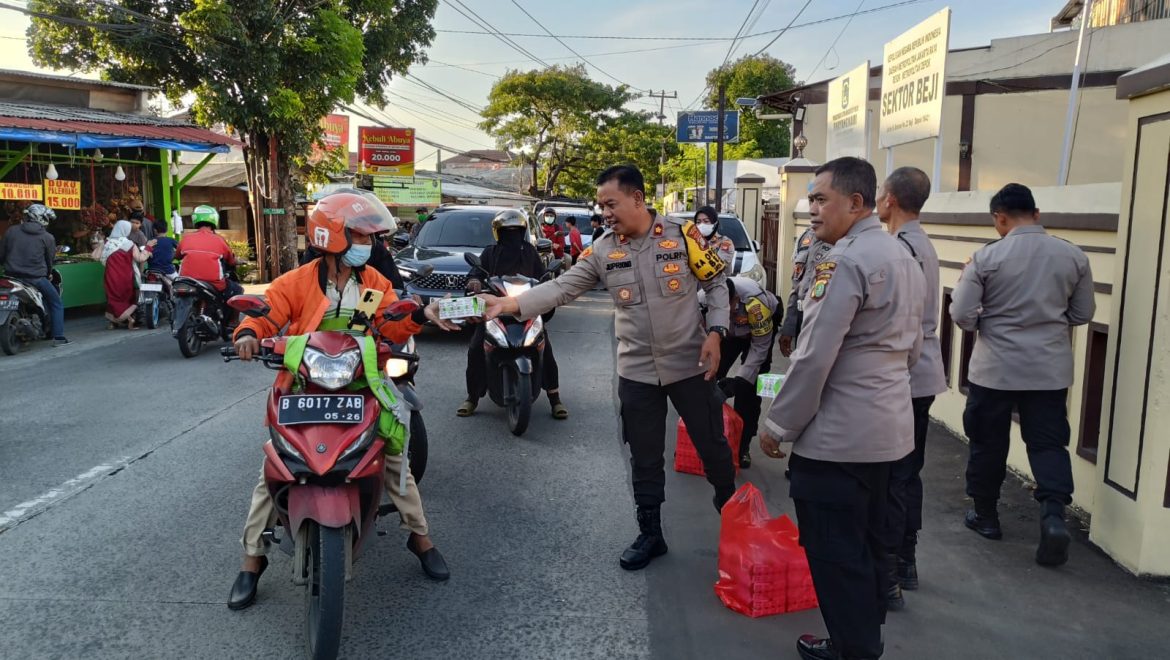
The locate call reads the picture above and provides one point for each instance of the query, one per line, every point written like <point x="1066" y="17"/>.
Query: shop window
<point x="946" y="335"/>
<point x="1094" y="390"/>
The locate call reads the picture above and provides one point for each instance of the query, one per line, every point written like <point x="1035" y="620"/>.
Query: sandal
<point x="559" y="411"/>
<point x="466" y="408"/>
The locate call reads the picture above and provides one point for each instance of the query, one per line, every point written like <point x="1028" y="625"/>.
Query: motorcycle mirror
<point x="472" y="260"/>
<point x="556" y="267"/>
<point x="251" y="306"/>
<point x="424" y="270"/>
<point x="400" y="309"/>
<point x="543" y="245"/>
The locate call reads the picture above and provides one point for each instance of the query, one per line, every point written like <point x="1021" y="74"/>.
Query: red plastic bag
<point x="687" y="460"/>
<point x="762" y="568"/>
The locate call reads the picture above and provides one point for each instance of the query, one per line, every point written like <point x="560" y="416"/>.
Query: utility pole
<point x="719" y="150"/>
<point x="662" y="96"/>
<point x="439" y="162"/>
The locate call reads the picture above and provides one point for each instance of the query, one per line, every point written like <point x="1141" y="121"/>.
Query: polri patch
<point x="616" y="254"/>
<point x="671" y="269"/>
<point x="668" y="244"/>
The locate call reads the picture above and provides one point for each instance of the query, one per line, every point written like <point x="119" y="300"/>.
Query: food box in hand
<point x="460" y="308"/>
<point x="687" y="460"/>
<point x="768" y="385"/>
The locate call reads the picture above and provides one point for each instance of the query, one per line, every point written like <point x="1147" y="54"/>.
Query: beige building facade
<point x="1003" y="123"/>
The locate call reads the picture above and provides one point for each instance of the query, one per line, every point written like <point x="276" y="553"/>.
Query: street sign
<point x="848" y="115"/>
<point x="406" y="191"/>
<point x="747" y="101"/>
<point x="914" y="81"/>
<point x="274" y="211"/>
<point x="703" y="126"/>
<point x="386" y="150"/>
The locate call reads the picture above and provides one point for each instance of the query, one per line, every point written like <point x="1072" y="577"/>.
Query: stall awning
<point x="92" y="129"/>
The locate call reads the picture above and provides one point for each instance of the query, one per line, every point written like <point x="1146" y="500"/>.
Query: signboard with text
<point x="703" y="126"/>
<point x="336" y="137"/>
<point x="388" y="151"/>
<point x="395" y="191"/>
<point x="63" y="195"/>
<point x="914" y="82"/>
<point x="25" y="192"/>
<point x="848" y="116"/>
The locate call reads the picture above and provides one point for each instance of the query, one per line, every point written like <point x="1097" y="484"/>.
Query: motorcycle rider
<point x="381" y="258"/>
<point x="204" y="253"/>
<point x="511" y="255"/>
<point x="322" y="295"/>
<point x="27" y="253"/>
<point x="552" y="233"/>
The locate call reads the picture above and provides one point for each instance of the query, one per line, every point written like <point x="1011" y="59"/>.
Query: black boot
<point x="894" y="600"/>
<point x="908" y="563"/>
<point x="1054" y="535"/>
<point x="984" y="520"/>
<point x="649" y="543"/>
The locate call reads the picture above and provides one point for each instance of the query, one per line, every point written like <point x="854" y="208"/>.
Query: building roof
<point x="1148" y="79"/>
<point x="71" y="81"/>
<point x="216" y="175"/>
<point x="479" y="155"/>
<point x="87" y="129"/>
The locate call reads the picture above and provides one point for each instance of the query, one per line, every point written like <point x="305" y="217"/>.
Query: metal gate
<point x="770" y="242"/>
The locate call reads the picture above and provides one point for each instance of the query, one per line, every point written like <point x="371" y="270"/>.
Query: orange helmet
<point x="336" y="216"/>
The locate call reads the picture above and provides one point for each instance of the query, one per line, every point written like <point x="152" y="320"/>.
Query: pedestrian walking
<point x="1022" y="294"/>
<point x="754" y="315"/>
<point x="653" y="267"/>
<point x="846" y="406"/>
<point x="899" y="202"/>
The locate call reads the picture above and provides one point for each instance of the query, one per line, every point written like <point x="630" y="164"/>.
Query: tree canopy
<point x="753" y="76"/>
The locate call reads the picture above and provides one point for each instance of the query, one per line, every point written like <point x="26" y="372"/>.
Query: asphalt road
<point x="125" y="472"/>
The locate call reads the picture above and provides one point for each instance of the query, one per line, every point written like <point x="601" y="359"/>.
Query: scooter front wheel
<point x="520" y="396"/>
<point x="325" y="591"/>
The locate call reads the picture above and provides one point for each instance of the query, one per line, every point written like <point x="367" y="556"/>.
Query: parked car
<point x="747" y="261"/>
<point x="441" y="243"/>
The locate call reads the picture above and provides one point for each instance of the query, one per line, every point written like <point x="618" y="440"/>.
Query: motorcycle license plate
<point x="320" y="409"/>
<point x="9" y="303"/>
<point x="150" y="286"/>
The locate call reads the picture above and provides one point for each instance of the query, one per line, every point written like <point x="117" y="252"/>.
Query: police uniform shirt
<point x="809" y="252"/>
<point x="1021" y="293"/>
<point x="659" y="326"/>
<point x="726" y="249"/>
<point x="846" y="397"/>
<point x="755" y="317"/>
<point x="927" y="377"/>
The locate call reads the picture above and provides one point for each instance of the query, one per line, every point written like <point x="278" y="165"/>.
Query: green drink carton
<point x="768" y="385"/>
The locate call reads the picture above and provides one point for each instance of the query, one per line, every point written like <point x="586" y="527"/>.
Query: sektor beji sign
<point x="914" y="81"/>
<point x="388" y="151"/>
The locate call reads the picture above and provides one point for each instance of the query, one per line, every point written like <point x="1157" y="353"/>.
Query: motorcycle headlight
<point x="534" y="331"/>
<point x="513" y="289"/>
<point x="284" y="446"/>
<point x="332" y="372"/>
<point x="496" y="330"/>
<point x="361" y="443"/>
<point x="396" y="368"/>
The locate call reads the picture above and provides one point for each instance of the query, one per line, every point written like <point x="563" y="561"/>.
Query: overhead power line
<point x="570" y="48"/>
<point x="834" y="44"/>
<point x="739" y="32"/>
<point x="468" y="13"/>
<point x="381" y="122"/>
<point x="786" y="28"/>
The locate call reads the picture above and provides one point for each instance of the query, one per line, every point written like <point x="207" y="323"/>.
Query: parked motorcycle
<point x="155" y="299"/>
<point x="323" y="462"/>
<point x="513" y="348"/>
<point x="24" y="317"/>
<point x="200" y="315"/>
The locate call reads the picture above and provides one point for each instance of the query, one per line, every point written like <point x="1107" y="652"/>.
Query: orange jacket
<point x="297" y="298"/>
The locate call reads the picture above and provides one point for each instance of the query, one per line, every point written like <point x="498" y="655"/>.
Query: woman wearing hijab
<point x="707" y="219"/>
<point x="121" y="257"/>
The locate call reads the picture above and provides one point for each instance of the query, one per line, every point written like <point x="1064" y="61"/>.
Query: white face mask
<point x="548" y="219"/>
<point x="706" y="229"/>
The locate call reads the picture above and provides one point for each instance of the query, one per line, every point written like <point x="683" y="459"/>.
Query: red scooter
<point x="323" y="463"/>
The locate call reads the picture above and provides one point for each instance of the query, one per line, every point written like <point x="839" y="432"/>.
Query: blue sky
<point x="676" y="66"/>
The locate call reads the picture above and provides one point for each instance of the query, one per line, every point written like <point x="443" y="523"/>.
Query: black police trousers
<point x="904" y="509"/>
<point x="643" y="416"/>
<point x="987" y="421"/>
<point x="840" y="509"/>
<point x="477" y="366"/>
<point x="747" y="403"/>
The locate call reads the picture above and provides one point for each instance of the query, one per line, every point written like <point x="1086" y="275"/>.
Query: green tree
<point x="268" y="69"/>
<point x="685" y="169"/>
<point x="545" y="114"/>
<point x="632" y="138"/>
<point x="750" y="77"/>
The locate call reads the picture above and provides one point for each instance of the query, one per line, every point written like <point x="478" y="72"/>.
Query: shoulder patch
<point x="824" y="275"/>
<point x="727" y="245"/>
<point x="586" y="252"/>
<point x="806" y="240"/>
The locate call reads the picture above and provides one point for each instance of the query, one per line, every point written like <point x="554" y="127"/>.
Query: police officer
<point x="809" y="252"/>
<point x="707" y="219"/>
<point x="1022" y="294"/>
<point x="754" y="315"/>
<point x="846" y="405"/>
<point x="653" y="267"/>
<point x="899" y="202"/>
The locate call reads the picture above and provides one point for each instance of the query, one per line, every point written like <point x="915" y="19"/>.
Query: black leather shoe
<point x="721" y="497"/>
<point x="985" y="526"/>
<point x="745" y="461"/>
<point x="907" y="574"/>
<point x="244" y="589"/>
<point x="432" y="562"/>
<point x="649" y="544"/>
<point x="810" y="647"/>
<point x="1054" y="542"/>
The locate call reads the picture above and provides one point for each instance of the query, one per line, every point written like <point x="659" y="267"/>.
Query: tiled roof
<point x="64" y="119"/>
